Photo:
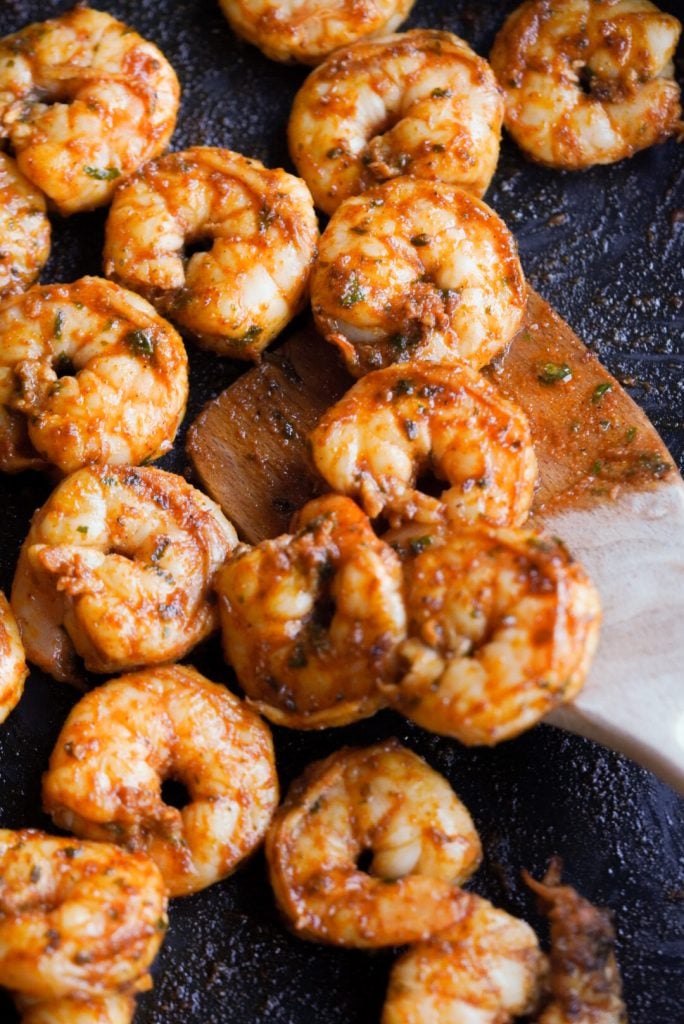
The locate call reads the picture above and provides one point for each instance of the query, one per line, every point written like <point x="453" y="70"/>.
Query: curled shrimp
<point x="311" y="621"/>
<point x="417" y="269"/>
<point x="88" y="374"/>
<point x="13" y="669"/>
<point x="485" y="969"/>
<point x="236" y="297"/>
<point x="118" y="567"/>
<point x="588" y="81"/>
<point x="502" y="626"/>
<point x="398" y="423"/>
<point x="419" y="103"/>
<point x="585" y="980"/>
<point x="24" y="229"/>
<point x="308" y="30"/>
<point x="84" y="101"/>
<point x="383" y="800"/>
<point x="78" y="921"/>
<point x="125" y="738"/>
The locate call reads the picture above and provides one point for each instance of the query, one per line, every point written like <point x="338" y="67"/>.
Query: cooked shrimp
<point x="311" y="621"/>
<point x="308" y="30"/>
<point x="88" y="374"/>
<point x="24" y="230"/>
<point x="585" y="980"/>
<point x="239" y="295"/>
<point x="117" y="568"/>
<point x="422" y="103"/>
<point x="396" y="424"/>
<point x="84" y="101"/>
<point x="125" y="738"/>
<point x="502" y="626"/>
<point x="111" y="1009"/>
<point x="417" y="269"/>
<point x="588" y="81"/>
<point x="485" y="969"/>
<point x="382" y="800"/>
<point x="77" y="920"/>
<point x="13" y="669"/>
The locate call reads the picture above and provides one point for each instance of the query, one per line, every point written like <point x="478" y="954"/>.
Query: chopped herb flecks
<point x="551" y="373"/>
<point x="352" y="292"/>
<point x="103" y="173"/>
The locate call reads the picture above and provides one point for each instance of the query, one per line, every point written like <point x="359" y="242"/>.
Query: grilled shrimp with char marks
<point x="420" y="103"/>
<point x="417" y="269"/>
<point x="84" y="101"/>
<point x="118" y="568"/>
<point x="24" y="229"/>
<point x="237" y="296"/>
<point x="398" y="423"/>
<point x="386" y="801"/>
<point x="88" y="374"/>
<point x="588" y="81"/>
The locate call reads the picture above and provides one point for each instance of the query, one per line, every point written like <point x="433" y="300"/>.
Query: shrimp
<point x="422" y="103"/>
<point x="110" y="1009"/>
<point x="88" y="374"/>
<point x="24" y="230"/>
<point x="13" y="670"/>
<point x="417" y="269"/>
<point x="386" y="801"/>
<point x="238" y="296"/>
<point x="308" y="30"/>
<point x="585" y="980"/>
<point x="78" y="920"/>
<point x="588" y="81"/>
<point x="396" y="424"/>
<point x="117" y="568"/>
<point x="125" y="738"/>
<point x="502" y="626"/>
<point x="311" y="621"/>
<point x="485" y="969"/>
<point x="84" y="101"/>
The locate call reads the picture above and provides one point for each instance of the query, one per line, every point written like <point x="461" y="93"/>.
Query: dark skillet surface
<point x="606" y="248"/>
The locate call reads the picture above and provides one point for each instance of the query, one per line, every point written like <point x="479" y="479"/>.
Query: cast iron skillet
<point x="605" y="247"/>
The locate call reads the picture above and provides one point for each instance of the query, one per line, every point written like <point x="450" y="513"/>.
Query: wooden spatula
<point x="608" y="487"/>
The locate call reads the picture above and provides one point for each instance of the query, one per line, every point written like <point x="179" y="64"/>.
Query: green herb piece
<point x="140" y="343"/>
<point x="102" y="173"/>
<point x="600" y="390"/>
<point x="596" y="467"/>
<point x="82" y="529"/>
<point x="439" y="94"/>
<point x="551" y="373"/>
<point x="404" y="387"/>
<point x="252" y="332"/>
<point x="59" y="324"/>
<point x="266" y="217"/>
<point x="419" y="544"/>
<point x="630" y="435"/>
<point x="352" y="292"/>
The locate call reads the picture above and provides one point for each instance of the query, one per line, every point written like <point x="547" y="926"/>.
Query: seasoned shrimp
<point x="485" y="969"/>
<point x="417" y="269"/>
<point x="77" y="920"/>
<point x="382" y="800"/>
<point x="88" y="374"/>
<point x="111" y="1009"/>
<point x="502" y="626"/>
<point x="586" y="987"/>
<point x="125" y="738"/>
<point x="239" y="295"/>
<point x="84" y="101"/>
<point x="117" y="568"/>
<point x="400" y="422"/>
<point x="588" y="81"/>
<point x="308" y="30"/>
<point x="24" y="230"/>
<point x="422" y="103"/>
<point x="13" y="670"/>
<point x="311" y="621"/>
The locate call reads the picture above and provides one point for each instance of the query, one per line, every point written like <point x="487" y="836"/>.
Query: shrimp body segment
<point x="387" y="801"/>
<point x="88" y="374"/>
<point x="396" y="424"/>
<point x="84" y="101"/>
<point x="236" y="297"/>
<point x="417" y="269"/>
<point x="76" y="919"/>
<point x="13" y="670"/>
<point x="110" y="1009"/>
<point x="308" y="30"/>
<point x="420" y="103"/>
<point x="485" y="969"/>
<point x="117" y="568"/>
<point x="502" y="626"/>
<point x="311" y="620"/>
<point x="24" y="229"/>
<point x="588" y="81"/>
<point x="123" y="739"/>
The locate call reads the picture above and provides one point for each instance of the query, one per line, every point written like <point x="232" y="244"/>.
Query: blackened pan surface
<point x="606" y="248"/>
